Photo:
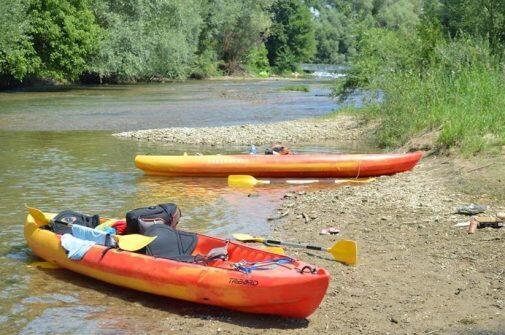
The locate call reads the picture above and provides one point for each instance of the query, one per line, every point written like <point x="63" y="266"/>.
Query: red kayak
<point x="249" y="280"/>
<point x="279" y="166"/>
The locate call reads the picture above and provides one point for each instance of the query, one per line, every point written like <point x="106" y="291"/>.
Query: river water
<point x="57" y="153"/>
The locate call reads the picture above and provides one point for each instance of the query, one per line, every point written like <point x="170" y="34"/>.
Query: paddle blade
<point x="275" y="250"/>
<point x="39" y="217"/>
<point x="247" y="238"/>
<point x="345" y="251"/>
<point x="134" y="242"/>
<point x="242" y="180"/>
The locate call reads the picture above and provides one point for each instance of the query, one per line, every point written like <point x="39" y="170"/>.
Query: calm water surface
<point x="201" y="103"/>
<point x="57" y="153"/>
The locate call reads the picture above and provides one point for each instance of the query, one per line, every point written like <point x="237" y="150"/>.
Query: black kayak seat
<point x="170" y="243"/>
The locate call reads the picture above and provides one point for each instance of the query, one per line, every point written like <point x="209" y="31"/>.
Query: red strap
<point x="120" y="227"/>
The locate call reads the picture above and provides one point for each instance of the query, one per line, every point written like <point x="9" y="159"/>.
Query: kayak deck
<point x="279" y="166"/>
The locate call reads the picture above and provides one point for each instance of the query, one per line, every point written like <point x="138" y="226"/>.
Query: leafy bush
<point x="296" y="88"/>
<point x="256" y="62"/>
<point x="146" y="39"/>
<point x="455" y="87"/>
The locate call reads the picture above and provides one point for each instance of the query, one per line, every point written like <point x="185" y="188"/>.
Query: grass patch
<point x="452" y="88"/>
<point x="467" y="109"/>
<point x="296" y="88"/>
<point x="467" y="321"/>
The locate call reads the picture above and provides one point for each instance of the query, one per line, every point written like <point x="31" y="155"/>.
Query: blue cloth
<point x="76" y="247"/>
<point x="110" y="230"/>
<point x="89" y="234"/>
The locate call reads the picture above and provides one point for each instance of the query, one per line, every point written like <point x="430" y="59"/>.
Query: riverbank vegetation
<point x="444" y="79"/>
<point x="296" y="88"/>
<point x="114" y="41"/>
<point x="123" y="41"/>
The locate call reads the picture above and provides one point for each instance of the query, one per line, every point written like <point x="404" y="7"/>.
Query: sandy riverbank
<point x="342" y="129"/>
<point x="418" y="274"/>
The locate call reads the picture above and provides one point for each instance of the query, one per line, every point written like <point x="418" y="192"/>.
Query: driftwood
<point x="280" y="216"/>
<point x="481" y="167"/>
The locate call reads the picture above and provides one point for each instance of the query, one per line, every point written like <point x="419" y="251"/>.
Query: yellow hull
<point x="281" y="166"/>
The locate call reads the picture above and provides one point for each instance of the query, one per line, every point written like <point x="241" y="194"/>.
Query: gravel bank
<point x="342" y="128"/>
<point x="418" y="274"/>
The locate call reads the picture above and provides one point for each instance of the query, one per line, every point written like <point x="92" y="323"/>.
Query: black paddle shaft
<point x="296" y="245"/>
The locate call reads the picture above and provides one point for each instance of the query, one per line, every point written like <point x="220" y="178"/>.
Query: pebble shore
<point x="417" y="272"/>
<point x="342" y="128"/>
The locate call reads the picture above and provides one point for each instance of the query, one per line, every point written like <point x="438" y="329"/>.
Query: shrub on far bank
<point x="296" y="88"/>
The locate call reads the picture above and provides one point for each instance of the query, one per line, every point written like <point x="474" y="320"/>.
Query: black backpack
<point x="60" y="223"/>
<point x="140" y="219"/>
<point x="170" y="243"/>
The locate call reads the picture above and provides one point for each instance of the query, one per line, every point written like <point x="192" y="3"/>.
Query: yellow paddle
<point x="275" y="250"/>
<point x="132" y="242"/>
<point x="246" y="180"/>
<point x="344" y="251"/>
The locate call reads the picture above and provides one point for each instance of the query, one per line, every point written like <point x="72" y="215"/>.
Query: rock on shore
<point x="342" y="128"/>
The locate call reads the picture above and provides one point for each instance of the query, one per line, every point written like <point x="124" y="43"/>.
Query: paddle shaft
<point x="295" y="245"/>
<point x="305" y="181"/>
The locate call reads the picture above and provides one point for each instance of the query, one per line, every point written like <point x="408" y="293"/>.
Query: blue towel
<point x="89" y="234"/>
<point x="76" y="247"/>
<point x="110" y="230"/>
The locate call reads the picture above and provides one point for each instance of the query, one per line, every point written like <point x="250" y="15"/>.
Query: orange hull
<point x="282" y="290"/>
<point x="287" y="166"/>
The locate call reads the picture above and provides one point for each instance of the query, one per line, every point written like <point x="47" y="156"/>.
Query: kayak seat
<point x="170" y="243"/>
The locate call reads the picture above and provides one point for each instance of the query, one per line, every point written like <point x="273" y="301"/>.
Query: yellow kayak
<point x="280" y="166"/>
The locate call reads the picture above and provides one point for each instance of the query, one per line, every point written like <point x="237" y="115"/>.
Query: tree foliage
<point x="17" y="55"/>
<point x="484" y="18"/>
<point x="233" y="29"/>
<point x="121" y="40"/>
<point x="340" y="24"/>
<point x="64" y="35"/>
<point x="292" y="37"/>
<point x="146" y="39"/>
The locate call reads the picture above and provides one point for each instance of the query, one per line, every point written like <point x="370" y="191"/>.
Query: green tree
<point x="256" y="61"/>
<point x="146" y="39"/>
<point x="233" y="29"/>
<point x="64" y="35"/>
<point x="400" y="15"/>
<point x="484" y="18"/>
<point x="17" y="55"/>
<point x="340" y="24"/>
<point x="334" y="40"/>
<point x="292" y="38"/>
